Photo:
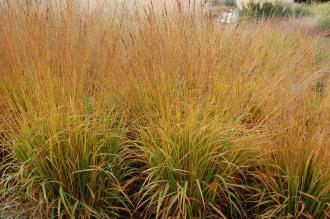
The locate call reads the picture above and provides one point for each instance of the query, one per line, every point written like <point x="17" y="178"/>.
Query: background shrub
<point x="271" y="10"/>
<point x="322" y="14"/>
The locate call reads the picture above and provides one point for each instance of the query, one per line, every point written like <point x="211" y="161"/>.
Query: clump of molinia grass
<point x="67" y="155"/>
<point x="64" y="141"/>
<point x="195" y="167"/>
<point x="298" y="182"/>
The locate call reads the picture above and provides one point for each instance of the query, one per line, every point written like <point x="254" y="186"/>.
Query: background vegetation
<point x="322" y="13"/>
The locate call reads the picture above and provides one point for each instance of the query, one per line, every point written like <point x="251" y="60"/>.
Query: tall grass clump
<point x="300" y="181"/>
<point x="152" y="110"/>
<point x="194" y="168"/>
<point x="69" y="163"/>
<point x="66" y="145"/>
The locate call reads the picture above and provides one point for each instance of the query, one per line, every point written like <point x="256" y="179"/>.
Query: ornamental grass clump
<point x="194" y="170"/>
<point x="67" y="149"/>
<point x="64" y="144"/>
<point x="300" y="182"/>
